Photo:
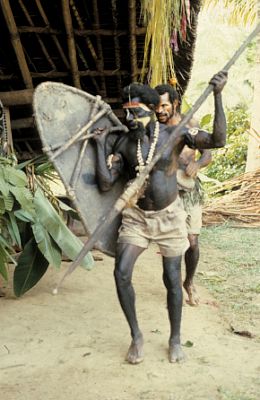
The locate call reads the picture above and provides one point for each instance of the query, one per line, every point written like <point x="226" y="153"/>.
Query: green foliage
<point x="231" y="160"/>
<point x="31" y="266"/>
<point x="31" y="226"/>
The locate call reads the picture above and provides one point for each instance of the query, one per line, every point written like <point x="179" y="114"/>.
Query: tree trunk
<point x="253" y="152"/>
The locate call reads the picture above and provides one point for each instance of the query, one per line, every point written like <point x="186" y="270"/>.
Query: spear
<point x="139" y="181"/>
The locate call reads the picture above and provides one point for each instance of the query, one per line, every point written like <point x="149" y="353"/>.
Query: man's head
<point x="139" y="103"/>
<point x="169" y="106"/>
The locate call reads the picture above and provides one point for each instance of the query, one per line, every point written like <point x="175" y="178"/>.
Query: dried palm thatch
<point x="241" y="205"/>
<point x="171" y="25"/>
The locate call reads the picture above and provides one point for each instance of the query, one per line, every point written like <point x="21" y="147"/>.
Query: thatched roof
<point x="94" y="45"/>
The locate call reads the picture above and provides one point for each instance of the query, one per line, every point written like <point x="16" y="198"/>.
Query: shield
<point x="66" y="118"/>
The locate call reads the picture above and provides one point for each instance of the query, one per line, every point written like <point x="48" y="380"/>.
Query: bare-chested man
<point x="158" y="216"/>
<point x="190" y="190"/>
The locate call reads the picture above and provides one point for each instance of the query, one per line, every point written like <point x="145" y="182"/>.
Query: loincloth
<point x="192" y="203"/>
<point x="166" y="227"/>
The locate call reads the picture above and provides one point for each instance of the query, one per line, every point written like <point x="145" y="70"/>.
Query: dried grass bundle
<point x="241" y="205"/>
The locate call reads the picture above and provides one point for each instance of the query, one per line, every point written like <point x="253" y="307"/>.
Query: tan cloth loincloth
<point x="194" y="218"/>
<point x="165" y="227"/>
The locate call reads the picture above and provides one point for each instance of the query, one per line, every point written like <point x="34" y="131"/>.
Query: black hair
<point x="173" y="94"/>
<point x="146" y="94"/>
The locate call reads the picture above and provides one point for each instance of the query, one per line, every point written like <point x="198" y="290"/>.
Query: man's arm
<point x="194" y="166"/>
<point x="108" y="168"/>
<point x="203" y="140"/>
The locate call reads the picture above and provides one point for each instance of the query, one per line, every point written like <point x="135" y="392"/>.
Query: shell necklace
<point x="141" y="163"/>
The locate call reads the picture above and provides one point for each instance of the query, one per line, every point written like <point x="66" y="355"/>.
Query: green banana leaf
<point x="47" y="245"/>
<point x="24" y="197"/>
<point x="31" y="266"/>
<point x="4" y="186"/>
<point x="70" y="244"/>
<point x="5" y="256"/>
<point x="9" y="202"/>
<point x="13" y="229"/>
<point x="3" y="262"/>
<point x="15" y="176"/>
<point x="24" y="216"/>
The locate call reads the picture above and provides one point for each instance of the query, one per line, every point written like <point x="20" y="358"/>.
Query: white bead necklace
<point x="141" y="163"/>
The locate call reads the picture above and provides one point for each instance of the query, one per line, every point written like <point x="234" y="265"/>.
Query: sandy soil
<point x="72" y="346"/>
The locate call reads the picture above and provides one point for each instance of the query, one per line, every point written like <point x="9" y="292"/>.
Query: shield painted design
<point x="66" y="118"/>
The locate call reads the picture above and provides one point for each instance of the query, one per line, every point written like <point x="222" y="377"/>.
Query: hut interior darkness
<point x="93" y="45"/>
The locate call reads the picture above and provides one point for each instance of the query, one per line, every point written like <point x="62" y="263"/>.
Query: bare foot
<point x="193" y="298"/>
<point x="135" y="352"/>
<point x="176" y="354"/>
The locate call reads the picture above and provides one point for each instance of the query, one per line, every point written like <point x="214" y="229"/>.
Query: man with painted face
<point x="158" y="216"/>
<point x="190" y="189"/>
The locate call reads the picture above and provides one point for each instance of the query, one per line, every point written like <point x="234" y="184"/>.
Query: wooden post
<point x="71" y="43"/>
<point x="18" y="48"/>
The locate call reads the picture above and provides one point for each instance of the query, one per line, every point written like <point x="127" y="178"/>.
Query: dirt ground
<point x="72" y="345"/>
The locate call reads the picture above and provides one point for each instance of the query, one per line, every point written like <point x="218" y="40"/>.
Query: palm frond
<point x="239" y="11"/>
<point x="164" y="19"/>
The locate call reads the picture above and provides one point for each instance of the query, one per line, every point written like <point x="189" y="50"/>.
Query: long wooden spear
<point x="137" y="184"/>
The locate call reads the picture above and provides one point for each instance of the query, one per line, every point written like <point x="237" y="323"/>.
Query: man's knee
<point x="194" y="242"/>
<point x="172" y="272"/>
<point x="122" y="277"/>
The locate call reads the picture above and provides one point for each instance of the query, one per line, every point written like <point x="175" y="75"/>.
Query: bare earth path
<point x="72" y="346"/>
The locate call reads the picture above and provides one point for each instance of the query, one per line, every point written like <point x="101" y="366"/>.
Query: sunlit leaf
<point x="31" y="266"/>
<point x="47" y="245"/>
<point x="4" y="185"/>
<point x="66" y="240"/>
<point x="13" y="229"/>
<point x="15" y="176"/>
<point x="24" y="197"/>
<point x="24" y="215"/>
<point x="205" y="120"/>
<point x="3" y="261"/>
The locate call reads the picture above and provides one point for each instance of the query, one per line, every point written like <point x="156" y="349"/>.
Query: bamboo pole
<point x="132" y="37"/>
<point x="71" y="43"/>
<point x="139" y="181"/>
<point x="140" y="31"/>
<point x="53" y="36"/>
<point x="16" y="42"/>
<point x="42" y="45"/>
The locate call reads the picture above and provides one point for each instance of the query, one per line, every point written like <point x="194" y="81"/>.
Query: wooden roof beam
<point x="117" y="46"/>
<point x="42" y="45"/>
<point x="24" y="97"/>
<point x="54" y="37"/>
<point x="132" y="37"/>
<point x="140" y="31"/>
<point x="100" y="61"/>
<point x="16" y="42"/>
<point x="71" y="43"/>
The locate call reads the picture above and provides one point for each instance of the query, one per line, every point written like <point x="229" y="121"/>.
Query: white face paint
<point x="137" y="112"/>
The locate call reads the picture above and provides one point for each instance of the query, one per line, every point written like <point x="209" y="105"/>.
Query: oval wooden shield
<point x="65" y="117"/>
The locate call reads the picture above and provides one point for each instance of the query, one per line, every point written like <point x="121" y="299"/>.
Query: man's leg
<point x="191" y="262"/>
<point x="172" y="281"/>
<point x="125" y="260"/>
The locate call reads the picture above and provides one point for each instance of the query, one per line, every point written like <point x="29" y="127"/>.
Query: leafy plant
<point x="231" y="160"/>
<point x="33" y="233"/>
